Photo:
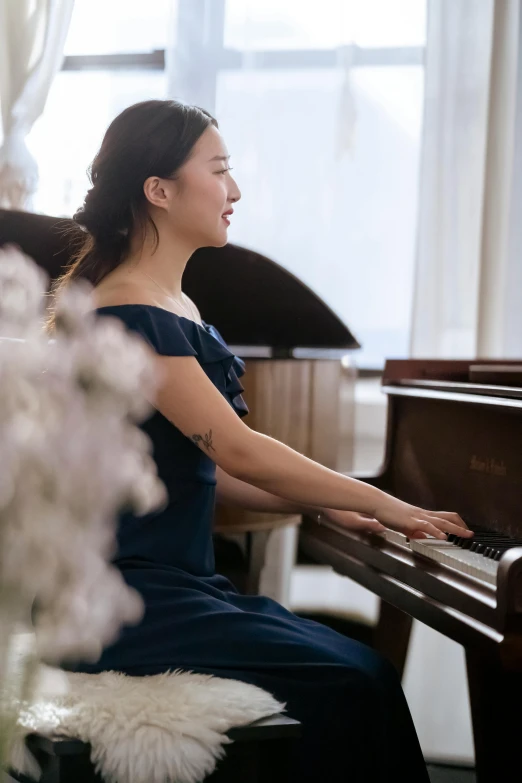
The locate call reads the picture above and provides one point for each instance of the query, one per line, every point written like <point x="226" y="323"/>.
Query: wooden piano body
<point x="454" y="442"/>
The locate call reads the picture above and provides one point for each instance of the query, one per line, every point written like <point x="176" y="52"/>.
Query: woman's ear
<point x="156" y="192"/>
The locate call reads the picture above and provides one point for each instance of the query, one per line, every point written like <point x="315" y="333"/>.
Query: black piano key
<point x="493" y="539"/>
<point x="488" y="543"/>
<point x="496" y="552"/>
<point x="505" y="547"/>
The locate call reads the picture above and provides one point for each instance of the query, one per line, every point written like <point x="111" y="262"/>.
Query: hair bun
<point x="88" y="216"/>
<point x="105" y="225"/>
<point x="79" y="217"/>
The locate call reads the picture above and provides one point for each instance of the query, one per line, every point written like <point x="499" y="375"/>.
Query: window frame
<point x="201" y="27"/>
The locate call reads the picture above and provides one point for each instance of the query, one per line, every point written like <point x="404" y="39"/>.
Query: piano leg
<point x="392" y="635"/>
<point x="496" y="698"/>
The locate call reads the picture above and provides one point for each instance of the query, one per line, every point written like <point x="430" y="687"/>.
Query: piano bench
<point x="243" y="563"/>
<point x="260" y="753"/>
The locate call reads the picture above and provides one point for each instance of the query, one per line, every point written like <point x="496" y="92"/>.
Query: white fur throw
<point x="169" y="727"/>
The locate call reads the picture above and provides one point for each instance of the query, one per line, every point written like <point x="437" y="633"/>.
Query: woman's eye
<point x="224" y="171"/>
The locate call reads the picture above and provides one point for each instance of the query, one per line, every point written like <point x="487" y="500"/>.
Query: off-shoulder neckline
<point x="201" y="325"/>
<point x="203" y="328"/>
<point x="212" y="349"/>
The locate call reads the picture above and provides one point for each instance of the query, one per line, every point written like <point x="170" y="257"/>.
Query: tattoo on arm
<point x="204" y="440"/>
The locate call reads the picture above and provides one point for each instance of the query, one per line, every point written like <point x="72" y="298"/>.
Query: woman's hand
<point x="415" y="522"/>
<point x="394" y="514"/>
<point x="354" y="520"/>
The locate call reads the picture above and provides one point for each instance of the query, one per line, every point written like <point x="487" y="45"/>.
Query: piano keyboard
<point x="448" y="553"/>
<point x="477" y="557"/>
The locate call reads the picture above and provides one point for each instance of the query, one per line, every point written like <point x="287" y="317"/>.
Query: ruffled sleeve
<point x="171" y="335"/>
<point x="161" y="329"/>
<point x="234" y="369"/>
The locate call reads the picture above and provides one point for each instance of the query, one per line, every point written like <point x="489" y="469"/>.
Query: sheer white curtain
<point x="468" y="254"/>
<point x="320" y="105"/>
<point x="32" y="37"/>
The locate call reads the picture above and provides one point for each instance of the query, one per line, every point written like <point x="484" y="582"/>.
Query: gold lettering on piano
<point x="490" y="465"/>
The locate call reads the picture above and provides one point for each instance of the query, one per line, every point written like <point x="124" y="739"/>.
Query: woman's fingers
<point x="372" y="525"/>
<point x="450" y="516"/>
<point x="417" y="522"/>
<point x="418" y="534"/>
<point x="424" y="526"/>
<point x="443" y="523"/>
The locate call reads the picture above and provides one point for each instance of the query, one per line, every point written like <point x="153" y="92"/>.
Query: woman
<point x="162" y="188"/>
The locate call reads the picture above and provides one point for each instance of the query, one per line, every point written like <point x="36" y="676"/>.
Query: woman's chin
<point x="216" y="238"/>
<point x="219" y="239"/>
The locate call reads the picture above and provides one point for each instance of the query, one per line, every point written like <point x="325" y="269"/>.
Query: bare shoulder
<point x="126" y="292"/>
<point x="193" y="307"/>
<point x="121" y="293"/>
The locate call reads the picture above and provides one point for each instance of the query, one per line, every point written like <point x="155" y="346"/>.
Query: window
<point x="307" y="24"/>
<point x="118" y="26"/>
<point x="99" y="79"/>
<point x="320" y="105"/>
<point x="65" y="140"/>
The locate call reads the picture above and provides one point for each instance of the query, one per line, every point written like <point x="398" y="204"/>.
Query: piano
<point x="454" y="442"/>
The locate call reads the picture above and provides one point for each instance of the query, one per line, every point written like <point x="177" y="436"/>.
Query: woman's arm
<point x="238" y="494"/>
<point x="188" y="398"/>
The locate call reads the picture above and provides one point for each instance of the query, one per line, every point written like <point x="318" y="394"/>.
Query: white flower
<point x="22" y="288"/>
<point x="72" y="460"/>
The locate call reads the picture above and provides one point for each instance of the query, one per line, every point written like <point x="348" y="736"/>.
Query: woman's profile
<point x="161" y="188"/>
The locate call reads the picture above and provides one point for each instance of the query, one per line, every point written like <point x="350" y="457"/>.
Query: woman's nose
<point x="235" y="193"/>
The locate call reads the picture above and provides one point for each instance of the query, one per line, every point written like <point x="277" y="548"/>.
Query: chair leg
<point x="257" y="541"/>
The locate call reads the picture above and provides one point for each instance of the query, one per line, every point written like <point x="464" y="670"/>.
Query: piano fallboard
<point x="453" y="445"/>
<point x="453" y="604"/>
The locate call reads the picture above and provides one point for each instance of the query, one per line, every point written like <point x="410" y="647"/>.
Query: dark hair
<point x="149" y="139"/>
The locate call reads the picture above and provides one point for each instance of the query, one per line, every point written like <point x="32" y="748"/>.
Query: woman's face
<point x="200" y="198"/>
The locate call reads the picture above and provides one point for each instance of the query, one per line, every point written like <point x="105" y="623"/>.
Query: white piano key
<point x="396" y="538"/>
<point x="445" y="552"/>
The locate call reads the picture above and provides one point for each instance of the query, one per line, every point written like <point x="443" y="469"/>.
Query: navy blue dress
<point x="356" y="724"/>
